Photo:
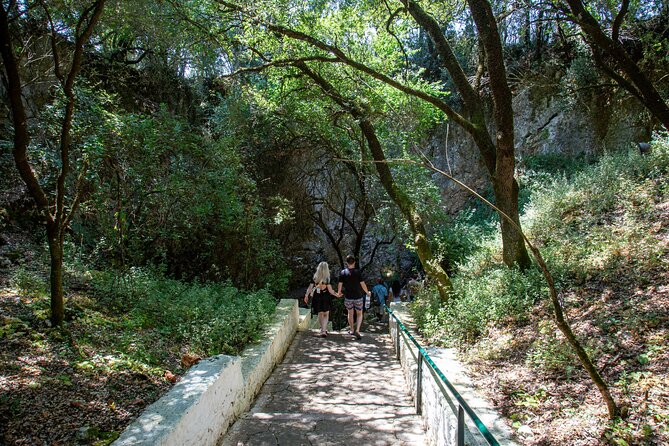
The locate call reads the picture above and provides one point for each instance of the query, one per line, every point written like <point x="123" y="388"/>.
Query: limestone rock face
<point x="544" y="123"/>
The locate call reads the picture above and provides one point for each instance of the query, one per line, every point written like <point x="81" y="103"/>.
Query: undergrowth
<point x="591" y="220"/>
<point x="601" y="226"/>
<point x="131" y="313"/>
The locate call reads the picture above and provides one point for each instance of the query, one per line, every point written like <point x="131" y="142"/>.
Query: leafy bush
<point x="163" y="192"/>
<point x="601" y="219"/>
<point x="455" y="241"/>
<point x="496" y="295"/>
<point x="210" y="318"/>
<point x="550" y="350"/>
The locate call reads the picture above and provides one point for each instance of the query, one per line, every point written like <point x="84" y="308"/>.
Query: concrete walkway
<point x="333" y="391"/>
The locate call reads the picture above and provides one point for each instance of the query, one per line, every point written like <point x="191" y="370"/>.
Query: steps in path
<point x="332" y="391"/>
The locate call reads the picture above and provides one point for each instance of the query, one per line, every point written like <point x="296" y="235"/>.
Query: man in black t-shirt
<point x="354" y="285"/>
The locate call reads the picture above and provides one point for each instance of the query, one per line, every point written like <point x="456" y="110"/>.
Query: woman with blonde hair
<point x="322" y="292"/>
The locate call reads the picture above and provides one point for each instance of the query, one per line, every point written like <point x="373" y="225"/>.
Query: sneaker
<point x="357" y="335"/>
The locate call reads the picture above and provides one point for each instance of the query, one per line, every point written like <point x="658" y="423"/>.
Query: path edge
<point x="200" y="408"/>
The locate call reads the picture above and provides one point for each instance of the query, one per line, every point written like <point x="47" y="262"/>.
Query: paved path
<point x="332" y="391"/>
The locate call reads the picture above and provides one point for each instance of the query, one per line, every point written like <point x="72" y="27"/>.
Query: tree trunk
<point x="503" y="179"/>
<point x="498" y="156"/>
<point x="55" y="223"/>
<point x="408" y="210"/>
<point x="55" y="240"/>
<point x="513" y="246"/>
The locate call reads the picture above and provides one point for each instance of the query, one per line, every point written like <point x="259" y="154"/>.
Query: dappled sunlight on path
<point x="333" y="391"/>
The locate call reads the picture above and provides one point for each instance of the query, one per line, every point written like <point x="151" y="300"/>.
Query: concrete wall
<point x="199" y="409"/>
<point x="439" y="408"/>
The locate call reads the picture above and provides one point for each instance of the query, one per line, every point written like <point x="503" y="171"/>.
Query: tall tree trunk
<point x="55" y="222"/>
<point x="504" y="181"/>
<point x="498" y="156"/>
<point x="513" y="245"/>
<point x="408" y="210"/>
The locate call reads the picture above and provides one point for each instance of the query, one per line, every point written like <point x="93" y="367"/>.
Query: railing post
<point x="419" y="383"/>
<point x="461" y="426"/>
<point x="463" y="407"/>
<point x="397" y="338"/>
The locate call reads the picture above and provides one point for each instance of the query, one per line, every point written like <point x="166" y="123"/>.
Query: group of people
<point x="354" y="293"/>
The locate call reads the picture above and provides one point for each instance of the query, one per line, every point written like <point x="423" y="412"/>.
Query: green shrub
<point x="550" y="350"/>
<point x="462" y="236"/>
<point x="496" y="295"/>
<point x="210" y="318"/>
<point x="601" y="219"/>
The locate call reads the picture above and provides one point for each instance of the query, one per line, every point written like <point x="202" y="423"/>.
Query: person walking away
<point x="351" y="280"/>
<point x="322" y="291"/>
<point x="396" y="287"/>
<point x="380" y="294"/>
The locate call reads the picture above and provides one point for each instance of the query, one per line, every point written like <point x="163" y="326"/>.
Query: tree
<point x="499" y="154"/>
<point x="55" y="211"/>
<point x="401" y="199"/>
<point x="614" y="59"/>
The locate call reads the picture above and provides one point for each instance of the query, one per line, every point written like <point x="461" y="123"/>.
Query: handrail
<point x="463" y="404"/>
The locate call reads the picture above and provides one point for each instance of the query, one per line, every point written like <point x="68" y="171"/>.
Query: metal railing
<point x="463" y="407"/>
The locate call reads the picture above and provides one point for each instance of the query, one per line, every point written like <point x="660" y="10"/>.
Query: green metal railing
<point x="463" y="407"/>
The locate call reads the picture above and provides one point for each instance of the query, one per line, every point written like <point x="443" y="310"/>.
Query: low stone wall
<point x="259" y="360"/>
<point x="439" y="408"/>
<point x="199" y="409"/>
<point x="305" y="319"/>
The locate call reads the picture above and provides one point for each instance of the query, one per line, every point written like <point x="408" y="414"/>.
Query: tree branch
<point x="54" y="48"/>
<point x="337" y="52"/>
<point x="394" y="14"/>
<point x="95" y="11"/>
<point x="618" y="21"/>
<point x="281" y="63"/>
<point x="19" y="118"/>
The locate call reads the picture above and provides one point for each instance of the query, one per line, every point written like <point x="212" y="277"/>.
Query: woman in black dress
<point x="322" y="292"/>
